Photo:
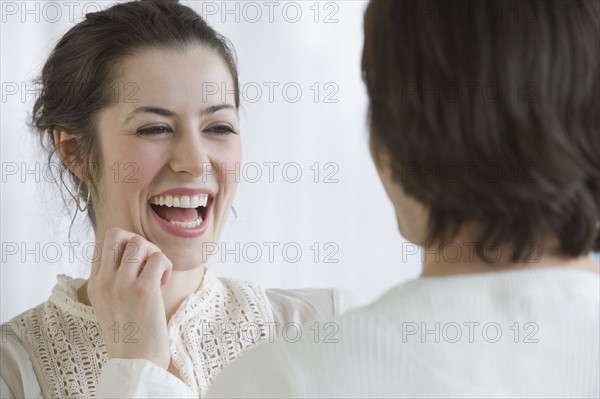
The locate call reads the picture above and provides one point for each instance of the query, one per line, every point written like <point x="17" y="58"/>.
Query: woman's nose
<point x="189" y="155"/>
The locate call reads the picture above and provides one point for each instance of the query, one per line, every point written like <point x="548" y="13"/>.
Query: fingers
<point x="126" y="288"/>
<point x="122" y="252"/>
<point x="96" y="257"/>
<point x="132" y="260"/>
<point x="166" y="275"/>
<point x="137" y="250"/>
<point x="112" y="249"/>
<point x="156" y="270"/>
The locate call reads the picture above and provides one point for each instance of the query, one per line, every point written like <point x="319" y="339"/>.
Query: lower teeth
<point x="188" y="225"/>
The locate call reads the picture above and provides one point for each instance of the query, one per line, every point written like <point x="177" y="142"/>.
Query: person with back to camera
<point x="125" y="87"/>
<point x="508" y="301"/>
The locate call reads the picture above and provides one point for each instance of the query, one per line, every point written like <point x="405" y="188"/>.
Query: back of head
<point x="488" y="111"/>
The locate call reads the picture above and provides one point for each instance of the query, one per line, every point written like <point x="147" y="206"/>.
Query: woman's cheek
<point x="230" y="165"/>
<point x="137" y="166"/>
<point x="126" y="176"/>
<point x="226" y="161"/>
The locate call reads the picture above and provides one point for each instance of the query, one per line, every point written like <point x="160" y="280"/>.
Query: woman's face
<point x="169" y="144"/>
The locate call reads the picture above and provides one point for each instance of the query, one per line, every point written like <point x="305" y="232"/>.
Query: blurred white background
<point x="337" y="213"/>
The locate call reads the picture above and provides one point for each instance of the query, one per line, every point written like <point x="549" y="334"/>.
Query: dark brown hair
<point x="77" y="77"/>
<point x="488" y="111"/>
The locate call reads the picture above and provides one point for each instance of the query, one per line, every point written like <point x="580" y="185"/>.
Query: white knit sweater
<point x="55" y="350"/>
<point x="527" y="333"/>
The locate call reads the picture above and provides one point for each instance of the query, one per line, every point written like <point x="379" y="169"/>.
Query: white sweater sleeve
<point x="139" y="378"/>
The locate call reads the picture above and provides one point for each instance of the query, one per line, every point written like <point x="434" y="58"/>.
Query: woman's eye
<point x="222" y="130"/>
<point x="153" y="130"/>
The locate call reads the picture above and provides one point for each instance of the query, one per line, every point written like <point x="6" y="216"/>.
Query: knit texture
<point x="526" y="333"/>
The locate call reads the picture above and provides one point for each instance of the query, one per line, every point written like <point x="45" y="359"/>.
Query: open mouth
<point x="186" y="211"/>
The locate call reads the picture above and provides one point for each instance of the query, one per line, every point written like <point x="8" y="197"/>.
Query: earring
<point x="78" y="196"/>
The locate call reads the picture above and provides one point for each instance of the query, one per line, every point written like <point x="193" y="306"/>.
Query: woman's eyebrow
<point x="150" y="109"/>
<point x="168" y="113"/>
<point x="214" y="108"/>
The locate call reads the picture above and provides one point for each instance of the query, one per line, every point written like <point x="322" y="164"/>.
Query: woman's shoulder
<point x="298" y="305"/>
<point x="62" y="300"/>
<point x="305" y="305"/>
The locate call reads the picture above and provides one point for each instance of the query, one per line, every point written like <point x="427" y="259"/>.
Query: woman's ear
<point x="67" y="148"/>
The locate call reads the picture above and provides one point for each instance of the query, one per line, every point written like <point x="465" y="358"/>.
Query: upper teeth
<point x="181" y="201"/>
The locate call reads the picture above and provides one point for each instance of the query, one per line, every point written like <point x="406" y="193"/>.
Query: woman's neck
<point x="180" y="285"/>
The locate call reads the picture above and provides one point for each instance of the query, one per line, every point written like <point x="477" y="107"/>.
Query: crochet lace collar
<point x="64" y="295"/>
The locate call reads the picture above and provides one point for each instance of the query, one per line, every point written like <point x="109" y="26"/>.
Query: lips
<point x="182" y="212"/>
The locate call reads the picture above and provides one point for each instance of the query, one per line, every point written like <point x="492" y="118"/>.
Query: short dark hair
<point x="76" y="80"/>
<point x="488" y="111"/>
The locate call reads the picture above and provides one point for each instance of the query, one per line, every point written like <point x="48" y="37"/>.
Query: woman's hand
<point x="125" y="291"/>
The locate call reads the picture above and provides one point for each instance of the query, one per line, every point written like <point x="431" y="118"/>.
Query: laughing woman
<point x="125" y="87"/>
